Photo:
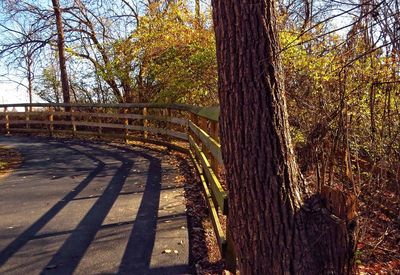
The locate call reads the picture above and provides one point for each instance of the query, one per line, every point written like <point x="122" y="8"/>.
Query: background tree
<point x="61" y="51"/>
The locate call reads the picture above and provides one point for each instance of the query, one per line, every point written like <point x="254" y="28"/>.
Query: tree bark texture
<point x="276" y="230"/>
<point x="61" y="51"/>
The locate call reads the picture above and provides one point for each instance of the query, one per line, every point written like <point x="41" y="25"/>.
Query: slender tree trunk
<point x="276" y="230"/>
<point x="29" y="64"/>
<point x="61" y="51"/>
<point x="198" y="12"/>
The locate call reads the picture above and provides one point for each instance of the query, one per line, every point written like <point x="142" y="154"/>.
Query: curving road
<point x="91" y="208"/>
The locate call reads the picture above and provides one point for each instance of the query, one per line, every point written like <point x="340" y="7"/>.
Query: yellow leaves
<point x="175" y="54"/>
<point x="71" y="51"/>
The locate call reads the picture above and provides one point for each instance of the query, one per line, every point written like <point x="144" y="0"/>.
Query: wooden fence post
<point x="194" y="119"/>
<point x="126" y="124"/>
<point x="99" y="121"/>
<point x="27" y="117"/>
<point x="145" y="123"/>
<point x="166" y="115"/>
<point x="214" y="134"/>
<point x="7" y="121"/>
<point x="51" y="119"/>
<point x="202" y="123"/>
<point x="73" y="123"/>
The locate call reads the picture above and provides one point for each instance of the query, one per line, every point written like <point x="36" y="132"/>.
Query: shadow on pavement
<point x="30" y="232"/>
<point x="137" y="255"/>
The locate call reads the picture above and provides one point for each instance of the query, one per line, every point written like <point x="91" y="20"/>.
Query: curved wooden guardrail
<point x="191" y="129"/>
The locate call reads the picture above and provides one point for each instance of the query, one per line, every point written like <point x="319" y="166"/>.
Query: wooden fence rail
<point x="193" y="130"/>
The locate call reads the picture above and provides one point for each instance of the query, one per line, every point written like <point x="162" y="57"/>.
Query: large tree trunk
<point x="275" y="229"/>
<point x="61" y="51"/>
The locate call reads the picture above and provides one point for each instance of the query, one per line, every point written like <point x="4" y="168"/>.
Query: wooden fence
<point x="193" y="130"/>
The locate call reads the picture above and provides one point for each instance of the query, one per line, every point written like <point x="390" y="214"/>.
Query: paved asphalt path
<point x="77" y="207"/>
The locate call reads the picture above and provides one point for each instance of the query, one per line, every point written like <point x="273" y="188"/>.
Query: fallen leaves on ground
<point x="379" y="228"/>
<point x="205" y="256"/>
<point x="9" y="160"/>
<point x="378" y="248"/>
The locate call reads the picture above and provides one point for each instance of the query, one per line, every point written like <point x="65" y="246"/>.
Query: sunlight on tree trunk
<point x="275" y="228"/>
